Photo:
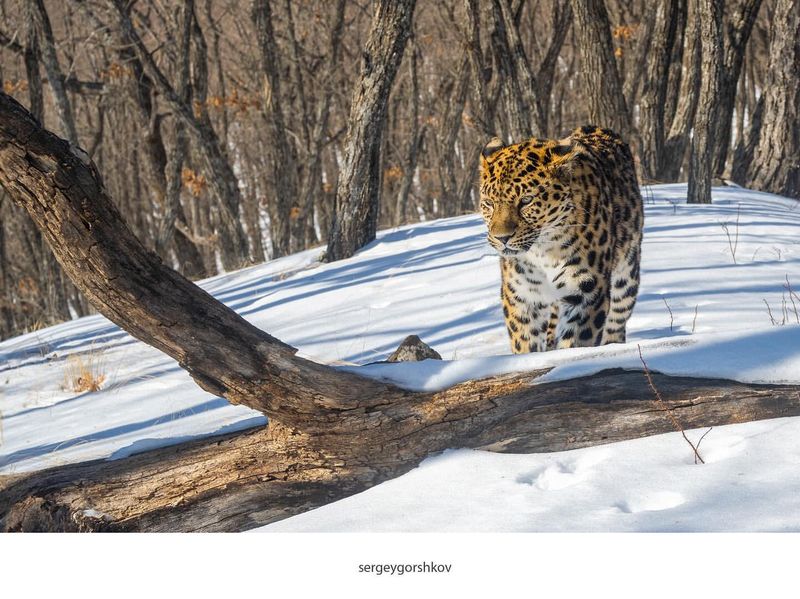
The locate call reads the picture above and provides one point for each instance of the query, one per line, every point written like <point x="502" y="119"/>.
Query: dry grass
<point x="36" y="325"/>
<point x="733" y="240"/>
<point x="790" y="310"/>
<point x="83" y="373"/>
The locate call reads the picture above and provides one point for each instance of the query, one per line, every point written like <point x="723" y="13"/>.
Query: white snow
<point x="750" y="482"/>
<point x="440" y="280"/>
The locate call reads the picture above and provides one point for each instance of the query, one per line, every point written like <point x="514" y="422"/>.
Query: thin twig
<point x="733" y="244"/>
<point x="662" y="404"/>
<point x="784" y="308"/>
<point x="792" y="297"/>
<point x="671" y="317"/>
<point x="771" y="318"/>
<point x="703" y="437"/>
<point x="694" y="320"/>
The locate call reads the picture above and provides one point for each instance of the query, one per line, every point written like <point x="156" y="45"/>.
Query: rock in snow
<point x="413" y="349"/>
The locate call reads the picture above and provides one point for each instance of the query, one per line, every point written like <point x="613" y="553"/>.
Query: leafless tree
<point x="776" y="164"/>
<point x="600" y="76"/>
<point x="224" y="139"/>
<point x="710" y="18"/>
<point x="359" y="188"/>
<point x="656" y="82"/>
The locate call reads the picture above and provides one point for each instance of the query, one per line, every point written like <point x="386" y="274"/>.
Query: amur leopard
<point x="566" y="218"/>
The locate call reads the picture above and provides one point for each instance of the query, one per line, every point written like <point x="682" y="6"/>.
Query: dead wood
<point x="250" y="479"/>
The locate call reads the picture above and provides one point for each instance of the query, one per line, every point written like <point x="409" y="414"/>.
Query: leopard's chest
<point x="540" y="277"/>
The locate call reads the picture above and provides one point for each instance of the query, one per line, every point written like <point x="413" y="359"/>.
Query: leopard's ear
<point x="564" y="157"/>
<point x="495" y="145"/>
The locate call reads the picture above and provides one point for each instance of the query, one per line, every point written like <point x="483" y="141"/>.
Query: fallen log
<point x="250" y="479"/>
<point x="331" y="433"/>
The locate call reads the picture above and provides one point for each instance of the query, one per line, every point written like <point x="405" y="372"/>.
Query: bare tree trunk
<point x="215" y="38"/>
<point x="233" y="241"/>
<point x="456" y="91"/>
<point x="284" y="173"/>
<point x="481" y="71"/>
<point x="358" y="190"/>
<point x="6" y="315"/>
<point x="414" y="143"/>
<point x="562" y="20"/>
<point x="654" y="94"/>
<point x="312" y="189"/>
<point x="55" y="75"/>
<point x="677" y="139"/>
<point x="747" y="144"/>
<point x="300" y="213"/>
<point x="175" y="225"/>
<point x="776" y="165"/>
<point x="487" y="93"/>
<point x="601" y="78"/>
<point x="676" y="66"/>
<point x="700" y="166"/>
<point x="50" y="281"/>
<point x="523" y="104"/>
<point x="165" y="193"/>
<point x="32" y="57"/>
<point x="632" y="63"/>
<point x="735" y="43"/>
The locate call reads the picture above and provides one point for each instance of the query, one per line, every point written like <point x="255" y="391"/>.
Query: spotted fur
<point x="566" y="218"/>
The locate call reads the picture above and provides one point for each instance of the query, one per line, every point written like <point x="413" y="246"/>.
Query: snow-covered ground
<point x="440" y="280"/>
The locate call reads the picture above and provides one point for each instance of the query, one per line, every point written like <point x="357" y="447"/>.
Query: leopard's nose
<point x="502" y="238"/>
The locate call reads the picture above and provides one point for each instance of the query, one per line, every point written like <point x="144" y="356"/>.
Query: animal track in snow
<point x="563" y="473"/>
<point x="651" y="502"/>
<point x="551" y="478"/>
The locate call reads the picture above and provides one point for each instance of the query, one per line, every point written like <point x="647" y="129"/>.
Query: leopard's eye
<point x="526" y="200"/>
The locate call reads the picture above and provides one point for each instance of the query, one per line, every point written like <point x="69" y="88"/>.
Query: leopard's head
<point x="525" y="191"/>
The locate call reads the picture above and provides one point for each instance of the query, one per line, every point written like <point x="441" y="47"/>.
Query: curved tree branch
<point x="128" y="284"/>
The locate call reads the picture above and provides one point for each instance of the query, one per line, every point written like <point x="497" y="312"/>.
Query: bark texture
<point x="737" y="33"/>
<point x="677" y="138"/>
<point x="700" y="165"/>
<point x="284" y="174"/>
<point x="601" y="78"/>
<point x="250" y="479"/>
<point x="656" y="81"/>
<point x="358" y="191"/>
<point x="522" y="98"/>
<point x="562" y="21"/>
<point x="55" y="75"/>
<point x="776" y="164"/>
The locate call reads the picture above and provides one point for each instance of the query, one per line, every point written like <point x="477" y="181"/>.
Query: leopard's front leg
<point x="526" y="313"/>
<point x="583" y="310"/>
